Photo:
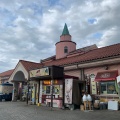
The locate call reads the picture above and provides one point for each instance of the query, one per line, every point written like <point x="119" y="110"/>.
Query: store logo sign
<point x="39" y="72"/>
<point x="105" y="75"/>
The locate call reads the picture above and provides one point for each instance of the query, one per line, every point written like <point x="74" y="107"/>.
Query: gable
<point x="19" y="67"/>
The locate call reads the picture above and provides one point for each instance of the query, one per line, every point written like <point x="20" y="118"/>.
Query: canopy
<point x="106" y="76"/>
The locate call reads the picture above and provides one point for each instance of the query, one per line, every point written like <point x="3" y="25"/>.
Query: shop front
<point x="57" y="92"/>
<point x="106" y="89"/>
<point x="49" y="90"/>
<point x="107" y="84"/>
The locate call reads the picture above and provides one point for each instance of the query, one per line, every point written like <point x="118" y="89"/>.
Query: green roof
<point x="65" y="30"/>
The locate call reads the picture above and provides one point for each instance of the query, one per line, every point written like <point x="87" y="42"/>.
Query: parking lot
<point x="21" y="111"/>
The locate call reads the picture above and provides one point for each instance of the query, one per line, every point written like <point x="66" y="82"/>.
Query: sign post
<point x="27" y="91"/>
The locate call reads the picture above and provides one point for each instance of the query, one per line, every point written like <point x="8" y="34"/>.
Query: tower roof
<point x="65" y="30"/>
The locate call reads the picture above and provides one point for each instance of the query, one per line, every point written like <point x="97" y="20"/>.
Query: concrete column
<point x="15" y="91"/>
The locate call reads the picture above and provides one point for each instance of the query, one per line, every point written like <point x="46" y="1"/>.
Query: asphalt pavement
<point x="21" y="111"/>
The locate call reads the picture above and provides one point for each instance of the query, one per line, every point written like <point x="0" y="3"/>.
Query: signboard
<point x="68" y="90"/>
<point x="118" y="79"/>
<point x="105" y="75"/>
<point x="93" y="86"/>
<point x="39" y="72"/>
<point x="5" y="77"/>
<point x="48" y="82"/>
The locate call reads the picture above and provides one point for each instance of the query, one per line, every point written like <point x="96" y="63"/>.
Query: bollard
<point x="38" y="104"/>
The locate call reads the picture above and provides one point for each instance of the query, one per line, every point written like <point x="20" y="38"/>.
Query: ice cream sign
<point x="39" y="72"/>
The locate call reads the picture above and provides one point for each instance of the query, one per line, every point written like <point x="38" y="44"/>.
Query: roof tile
<point x="6" y="73"/>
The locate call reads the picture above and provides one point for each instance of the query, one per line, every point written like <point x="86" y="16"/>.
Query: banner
<point x="68" y="90"/>
<point x="93" y="86"/>
<point x="39" y="72"/>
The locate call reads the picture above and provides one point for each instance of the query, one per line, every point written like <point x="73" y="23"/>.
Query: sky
<point x="29" y="29"/>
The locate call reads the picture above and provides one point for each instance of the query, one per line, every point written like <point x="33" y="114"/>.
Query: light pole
<point x="27" y="91"/>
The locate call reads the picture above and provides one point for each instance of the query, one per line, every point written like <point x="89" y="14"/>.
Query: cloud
<point x="29" y="29"/>
<point x="110" y="36"/>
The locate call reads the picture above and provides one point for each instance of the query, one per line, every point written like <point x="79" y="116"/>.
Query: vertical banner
<point x="61" y="91"/>
<point x="118" y="83"/>
<point x="40" y="93"/>
<point x="51" y="93"/>
<point x="93" y="86"/>
<point x="68" y="90"/>
<point x="33" y="95"/>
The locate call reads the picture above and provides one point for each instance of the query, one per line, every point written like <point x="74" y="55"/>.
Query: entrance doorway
<point x="81" y="89"/>
<point x="19" y="82"/>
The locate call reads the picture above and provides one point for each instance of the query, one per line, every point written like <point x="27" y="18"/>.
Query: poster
<point x="56" y="89"/>
<point x="43" y="89"/>
<point x="93" y="86"/>
<point x="61" y="91"/>
<point x="39" y="72"/>
<point x="68" y="90"/>
<point x="33" y="95"/>
<point x="47" y="89"/>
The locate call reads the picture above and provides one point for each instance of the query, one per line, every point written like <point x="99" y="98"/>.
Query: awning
<point x="18" y="80"/>
<point x="69" y="76"/>
<point x="106" y="76"/>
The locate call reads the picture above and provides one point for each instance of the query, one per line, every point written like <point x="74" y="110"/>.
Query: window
<point x="65" y="49"/>
<point x="108" y="87"/>
<point x="47" y="89"/>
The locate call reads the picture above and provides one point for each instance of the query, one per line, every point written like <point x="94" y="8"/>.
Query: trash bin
<point x="101" y="105"/>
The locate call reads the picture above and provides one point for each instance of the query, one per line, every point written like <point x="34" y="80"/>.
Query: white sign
<point x="118" y="79"/>
<point x="105" y="75"/>
<point x="68" y="90"/>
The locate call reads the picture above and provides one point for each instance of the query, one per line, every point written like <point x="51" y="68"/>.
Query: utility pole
<point x="27" y="91"/>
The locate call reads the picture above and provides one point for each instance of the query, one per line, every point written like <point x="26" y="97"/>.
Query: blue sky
<point x="30" y="28"/>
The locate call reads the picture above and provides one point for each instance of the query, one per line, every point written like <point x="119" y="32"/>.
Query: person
<point x="89" y="100"/>
<point x="85" y="100"/>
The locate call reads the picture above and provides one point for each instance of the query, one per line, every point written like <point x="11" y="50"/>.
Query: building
<point x="97" y="67"/>
<point x="4" y="76"/>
